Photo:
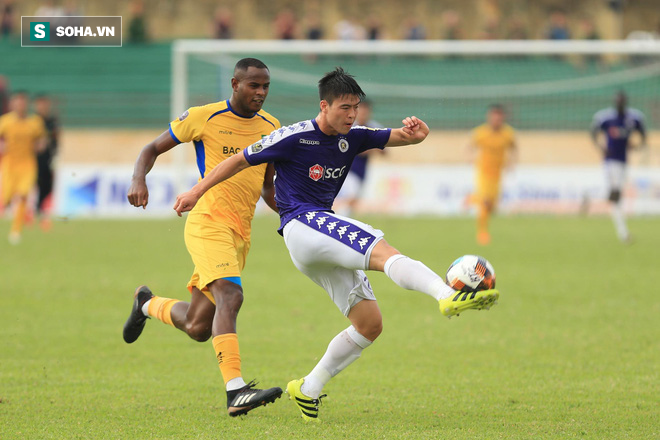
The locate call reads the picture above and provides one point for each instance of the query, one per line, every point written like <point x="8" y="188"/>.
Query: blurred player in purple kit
<point x="311" y="161"/>
<point x="617" y="125"/>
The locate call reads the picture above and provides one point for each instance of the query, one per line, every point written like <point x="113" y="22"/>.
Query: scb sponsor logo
<point x="317" y="172"/>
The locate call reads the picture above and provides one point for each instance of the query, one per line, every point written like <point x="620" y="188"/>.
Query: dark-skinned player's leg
<point x="195" y="318"/>
<point x="241" y="397"/>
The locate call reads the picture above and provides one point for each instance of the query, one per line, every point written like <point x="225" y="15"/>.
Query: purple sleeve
<point x="374" y="138"/>
<point x="269" y="149"/>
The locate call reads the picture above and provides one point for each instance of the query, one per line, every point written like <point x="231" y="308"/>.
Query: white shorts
<point x="351" y="187"/>
<point x="333" y="251"/>
<point x="615" y="174"/>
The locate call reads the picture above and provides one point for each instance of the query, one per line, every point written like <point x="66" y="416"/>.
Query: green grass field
<point x="571" y="351"/>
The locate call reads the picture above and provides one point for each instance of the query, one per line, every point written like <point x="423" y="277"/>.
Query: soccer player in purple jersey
<point x="311" y="160"/>
<point x="617" y="124"/>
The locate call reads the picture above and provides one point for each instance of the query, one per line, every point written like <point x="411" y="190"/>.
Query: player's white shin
<point x="619" y="221"/>
<point x="342" y="351"/>
<point x="414" y="275"/>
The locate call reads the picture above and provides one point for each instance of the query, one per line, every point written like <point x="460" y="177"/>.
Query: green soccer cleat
<point x="461" y="301"/>
<point x="309" y="408"/>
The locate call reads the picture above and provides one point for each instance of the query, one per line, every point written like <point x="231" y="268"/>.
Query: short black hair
<point x="338" y="83"/>
<point x="497" y="107"/>
<point x="246" y="63"/>
<point x="41" y="95"/>
<point x="21" y="93"/>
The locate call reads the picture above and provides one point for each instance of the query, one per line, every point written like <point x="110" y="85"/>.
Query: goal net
<point x="550" y="89"/>
<point x="544" y="84"/>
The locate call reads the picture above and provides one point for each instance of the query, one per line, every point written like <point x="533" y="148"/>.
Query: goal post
<point x="545" y="85"/>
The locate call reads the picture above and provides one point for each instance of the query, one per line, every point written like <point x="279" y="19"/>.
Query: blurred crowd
<point x="288" y="24"/>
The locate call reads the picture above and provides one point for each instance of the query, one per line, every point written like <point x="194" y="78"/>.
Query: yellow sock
<point x="161" y="309"/>
<point x="482" y="219"/>
<point x="229" y="357"/>
<point x="19" y="217"/>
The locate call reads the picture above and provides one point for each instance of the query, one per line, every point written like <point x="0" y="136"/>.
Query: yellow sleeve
<point x="2" y="126"/>
<point x="189" y="125"/>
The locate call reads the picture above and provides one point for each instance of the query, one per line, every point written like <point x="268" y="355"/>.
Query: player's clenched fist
<point x="138" y="194"/>
<point x="185" y="202"/>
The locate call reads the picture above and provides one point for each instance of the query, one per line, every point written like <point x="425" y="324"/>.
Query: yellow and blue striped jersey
<point x="218" y="133"/>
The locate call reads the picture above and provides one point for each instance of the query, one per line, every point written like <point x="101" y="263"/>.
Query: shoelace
<point x="253" y="383"/>
<point x="317" y="402"/>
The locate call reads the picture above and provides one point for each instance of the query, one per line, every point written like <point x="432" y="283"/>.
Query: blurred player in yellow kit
<point x="495" y="146"/>
<point x="21" y="137"/>
<point x="217" y="231"/>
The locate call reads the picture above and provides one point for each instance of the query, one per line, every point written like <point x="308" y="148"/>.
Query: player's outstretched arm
<point x="227" y="168"/>
<point x="414" y="131"/>
<point x="138" y="194"/>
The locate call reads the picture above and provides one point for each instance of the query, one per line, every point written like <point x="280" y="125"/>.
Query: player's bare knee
<point x="199" y="331"/>
<point x="370" y="328"/>
<point x="380" y="254"/>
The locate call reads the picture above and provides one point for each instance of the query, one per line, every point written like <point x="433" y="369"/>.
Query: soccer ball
<point x="471" y="273"/>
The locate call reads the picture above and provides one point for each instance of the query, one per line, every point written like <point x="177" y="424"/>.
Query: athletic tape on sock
<point x="360" y="340"/>
<point x="390" y="261"/>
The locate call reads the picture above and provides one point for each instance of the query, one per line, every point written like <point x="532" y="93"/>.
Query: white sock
<point x="145" y="308"/>
<point x="342" y="351"/>
<point x="619" y="221"/>
<point x="235" y="384"/>
<point x="414" y="275"/>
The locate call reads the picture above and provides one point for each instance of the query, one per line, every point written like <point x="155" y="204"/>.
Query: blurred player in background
<point x="495" y="147"/>
<point x="21" y="136"/>
<point x="351" y="191"/>
<point x="310" y="159"/>
<point x="45" y="176"/>
<point x="217" y="232"/>
<point x="617" y="125"/>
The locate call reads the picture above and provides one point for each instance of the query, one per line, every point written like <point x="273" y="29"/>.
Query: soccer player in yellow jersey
<point x="21" y="137"/>
<point x="495" y="146"/>
<point x="217" y="231"/>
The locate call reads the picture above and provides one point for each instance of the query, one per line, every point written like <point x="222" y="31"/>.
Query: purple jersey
<point x="359" y="167"/>
<point x="310" y="165"/>
<point x="617" y="129"/>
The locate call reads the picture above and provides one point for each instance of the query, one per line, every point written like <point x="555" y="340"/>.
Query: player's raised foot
<point x="136" y="320"/>
<point x="245" y="399"/>
<point x="461" y="301"/>
<point x="46" y="224"/>
<point x="309" y="407"/>
<point x="483" y="238"/>
<point x="14" y="238"/>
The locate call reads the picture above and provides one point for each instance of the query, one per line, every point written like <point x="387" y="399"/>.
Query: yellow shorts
<point x="216" y="250"/>
<point x="488" y="188"/>
<point x="17" y="181"/>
